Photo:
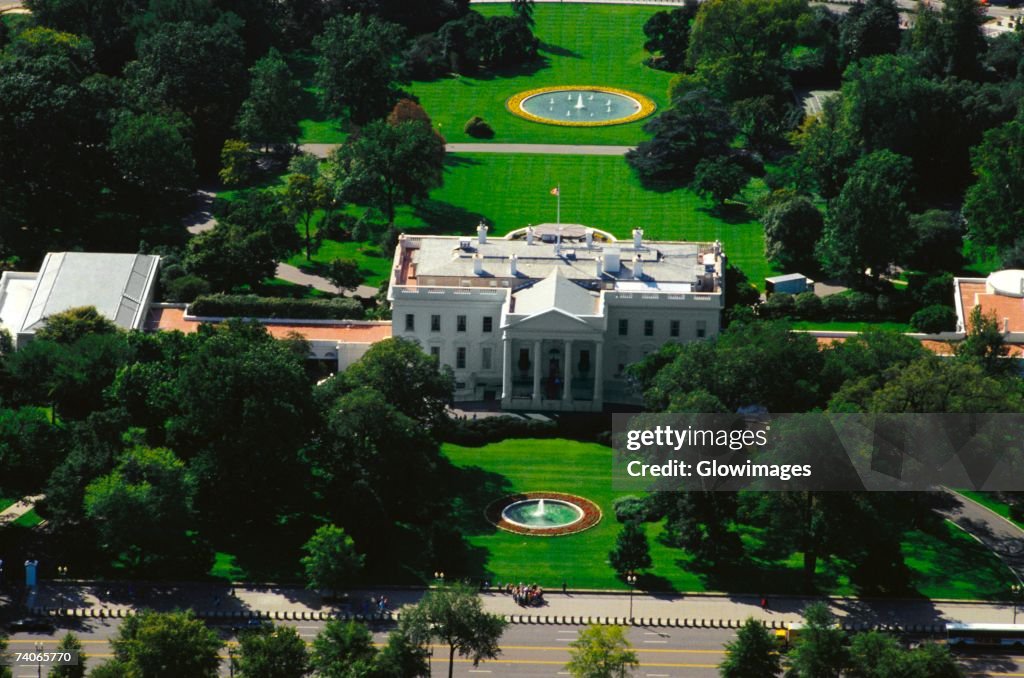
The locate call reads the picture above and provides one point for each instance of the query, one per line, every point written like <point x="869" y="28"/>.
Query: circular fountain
<point x="575" y="106"/>
<point x="543" y="513"/>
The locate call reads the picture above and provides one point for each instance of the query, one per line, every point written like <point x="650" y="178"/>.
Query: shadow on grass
<point x="732" y="214"/>
<point x="556" y="50"/>
<point x="538" y="64"/>
<point x="452" y="160"/>
<point x="445" y="218"/>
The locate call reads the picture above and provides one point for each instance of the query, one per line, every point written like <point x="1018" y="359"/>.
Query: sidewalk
<point x="721" y="610"/>
<point x="18" y="509"/>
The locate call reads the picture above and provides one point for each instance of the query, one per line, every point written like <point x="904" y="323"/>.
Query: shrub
<point x="778" y="305"/>
<point x="252" y="306"/>
<point x="186" y="288"/>
<point x="807" y="305"/>
<point x="934" y="319"/>
<point x="478" y="128"/>
<point x="630" y="508"/>
<point x="479" y="432"/>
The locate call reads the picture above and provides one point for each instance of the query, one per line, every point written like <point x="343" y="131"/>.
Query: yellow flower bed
<point x="515" y="106"/>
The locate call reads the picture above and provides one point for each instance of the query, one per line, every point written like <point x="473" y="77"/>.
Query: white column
<point x="506" y="369"/>
<point x="536" y="372"/>
<point x="598" y="374"/>
<point x="567" y="382"/>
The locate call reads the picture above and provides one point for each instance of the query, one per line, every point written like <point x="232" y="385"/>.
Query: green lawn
<point x="7" y="502"/>
<point x="947" y="563"/>
<point x="28" y="519"/>
<point x="992" y="502"/>
<point x="580" y="45"/>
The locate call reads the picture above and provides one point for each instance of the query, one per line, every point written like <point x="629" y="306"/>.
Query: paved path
<point x="997" y="533"/>
<point x="296" y="275"/>
<point x="214" y="598"/>
<point x="322" y="150"/>
<point x="201" y="218"/>
<point x="18" y="509"/>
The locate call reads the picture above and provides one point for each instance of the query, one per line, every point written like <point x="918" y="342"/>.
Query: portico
<point x="552" y="372"/>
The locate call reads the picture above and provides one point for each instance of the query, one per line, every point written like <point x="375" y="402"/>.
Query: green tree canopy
<point x="870" y="28"/>
<point x="343" y="649"/>
<point x="994" y="205"/>
<point x="269" y="114"/>
<point x="167" y="645"/>
<point x="601" y="652"/>
<point x="69" y="326"/>
<point x="753" y="653"/>
<point x="331" y="561"/>
<point x="631" y="552"/>
<point x="791" y="228"/>
<point x="719" y="179"/>
<point x="273" y="652"/>
<point x="70" y="642"/>
<point x="668" y="36"/>
<point x="820" y="650"/>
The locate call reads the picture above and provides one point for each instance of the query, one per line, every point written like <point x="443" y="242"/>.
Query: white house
<point x="120" y="286"/>
<point x="548" y="317"/>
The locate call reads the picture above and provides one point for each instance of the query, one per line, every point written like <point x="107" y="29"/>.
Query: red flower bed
<point x="591" y="514"/>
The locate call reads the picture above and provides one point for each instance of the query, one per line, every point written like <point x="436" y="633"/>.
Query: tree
<point x="454" y="616"/>
<point x="142" y="509"/>
<point x="304" y="196"/>
<point x="331" y="561"/>
<point x="994" y="205"/>
<point x="237" y="163"/>
<point x="827" y="146"/>
<point x="269" y="114"/>
<point x="31" y="447"/>
<point x="868" y="222"/>
<point x="879" y="655"/>
<point x="69" y="326"/>
<point x="402" y="658"/>
<point x="753" y="653"/>
<point x="523" y="10"/>
<point x="357" y="66"/>
<point x="936" y="242"/>
<point x="869" y="29"/>
<point x="154" y="163"/>
<point x="389" y="165"/>
<point x="631" y="552"/>
<point x="601" y="652"/>
<point x="70" y="643"/>
<point x="668" y="36"/>
<point x="697" y="127"/>
<point x="719" y="179"/>
<point x="167" y="645"/>
<point x="344" y="273"/>
<point x="243" y="248"/>
<point x="343" y="649"/>
<point x="984" y="344"/>
<point x="964" y="39"/>
<point x="792" y="226"/>
<point x="820" y="650"/>
<point x="273" y="652"/>
<point x="5" y="671"/>
<point x="933" y="384"/>
<point x="934" y="319"/>
<point x="197" y="69"/>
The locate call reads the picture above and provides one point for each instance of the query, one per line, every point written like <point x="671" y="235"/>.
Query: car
<point x="254" y="624"/>
<point x="32" y="625"/>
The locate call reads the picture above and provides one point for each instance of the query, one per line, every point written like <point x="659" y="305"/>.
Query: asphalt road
<point x="527" y="650"/>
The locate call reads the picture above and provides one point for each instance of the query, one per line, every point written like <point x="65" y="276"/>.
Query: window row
<point x="460" y="323"/>
<point x="673" y="328"/>
<point x="486" y="357"/>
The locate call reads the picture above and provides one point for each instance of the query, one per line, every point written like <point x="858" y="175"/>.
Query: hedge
<point x="479" y="432"/>
<point x="252" y="306"/>
<point x="849" y="305"/>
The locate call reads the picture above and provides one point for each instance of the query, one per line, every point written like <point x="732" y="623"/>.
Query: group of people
<point x="526" y="596"/>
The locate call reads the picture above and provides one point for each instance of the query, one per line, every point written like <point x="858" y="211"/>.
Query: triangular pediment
<point x="552" y="320"/>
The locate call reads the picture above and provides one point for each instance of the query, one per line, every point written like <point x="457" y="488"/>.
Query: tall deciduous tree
<point x="357" y="66"/>
<point x="668" y="36"/>
<point x="601" y="652"/>
<point x="277" y="652"/>
<point x="167" y="645"/>
<point x="70" y="643"/>
<point x="867" y="224"/>
<point x="390" y="165"/>
<point x="791" y="228"/>
<point x="820" y="650"/>
<point x="331" y="561"/>
<point x="869" y="29"/>
<point x="454" y="615"/>
<point x="109" y="24"/>
<point x="965" y="41"/>
<point x="719" y="179"/>
<point x="753" y="653"/>
<point x="994" y="205"/>
<point x="342" y="649"/>
<point x="270" y="113"/>
<point x="523" y="10"/>
<point x="631" y="552"/>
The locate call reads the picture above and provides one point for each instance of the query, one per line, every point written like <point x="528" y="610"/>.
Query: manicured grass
<point x="946" y="563"/>
<point x="226" y="567"/>
<point x="850" y="326"/>
<point x="7" y="502"/>
<point x="580" y="45"/>
<point x="28" y="519"/>
<point x="374" y="263"/>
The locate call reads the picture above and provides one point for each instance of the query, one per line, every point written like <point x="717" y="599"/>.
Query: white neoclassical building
<point x="548" y="317"/>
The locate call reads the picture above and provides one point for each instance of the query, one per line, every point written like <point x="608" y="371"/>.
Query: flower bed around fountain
<point x="580" y="106"/>
<point x="591" y="514"/>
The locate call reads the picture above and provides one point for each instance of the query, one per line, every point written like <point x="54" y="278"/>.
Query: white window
<point x="485" y="358"/>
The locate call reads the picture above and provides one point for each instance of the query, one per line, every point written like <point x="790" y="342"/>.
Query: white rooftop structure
<point x="119" y="286"/>
<point x="548" y="317"/>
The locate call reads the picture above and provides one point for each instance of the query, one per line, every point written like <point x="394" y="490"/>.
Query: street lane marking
<point x="656" y="641"/>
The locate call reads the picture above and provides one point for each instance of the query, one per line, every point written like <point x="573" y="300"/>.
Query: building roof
<point x="1008" y="310"/>
<point x="555" y="292"/>
<point x="117" y="285"/>
<point x="786" y="278"/>
<point x="166" y="319"/>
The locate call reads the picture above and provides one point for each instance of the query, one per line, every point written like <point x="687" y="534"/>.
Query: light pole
<point x="439" y="575"/>
<point x="62" y="574"/>
<point x="631" y="580"/>
<point x="39" y="659"/>
<point x="232" y="654"/>
<point x="1016" y="593"/>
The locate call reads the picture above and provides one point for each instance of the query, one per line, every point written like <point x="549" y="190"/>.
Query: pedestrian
<point x="764" y="603"/>
<point x="565" y="588"/>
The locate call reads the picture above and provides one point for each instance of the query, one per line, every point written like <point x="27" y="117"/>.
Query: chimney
<point x="599" y="267"/>
<point x="590" y="243"/>
<point x="481" y="233"/>
<point x="611" y="260"/>
<point x="638" y="267"/>
<point x="529" y="235"/>
<point x="513" y="269"/>
<point x="478" y="263"/>
<point x="638" y="238"/>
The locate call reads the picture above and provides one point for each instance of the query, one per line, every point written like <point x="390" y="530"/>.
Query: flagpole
<point x="558" y="207"/>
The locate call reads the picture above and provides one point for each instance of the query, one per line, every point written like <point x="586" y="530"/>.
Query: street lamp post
<point x="439" y="575"/>
<point x="1016" y="593"/>
<point x="631" y="580"/>
<point x="62" y="574"/>
<point x="39" y="659"/>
